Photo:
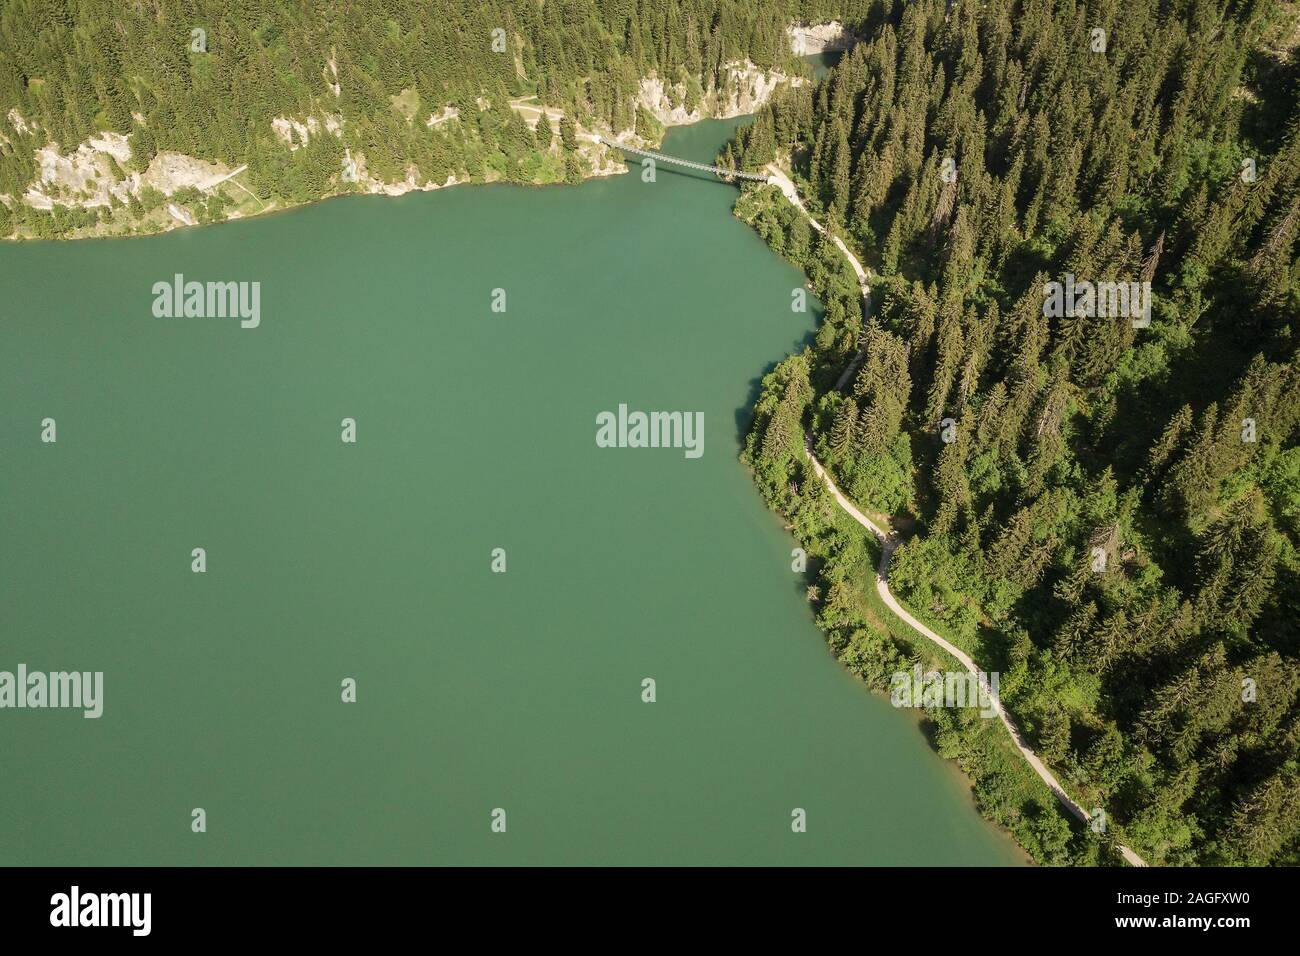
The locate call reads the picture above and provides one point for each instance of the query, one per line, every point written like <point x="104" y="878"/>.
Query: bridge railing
<point x="663" y="157"/>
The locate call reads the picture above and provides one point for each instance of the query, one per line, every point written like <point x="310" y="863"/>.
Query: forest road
<point x="889" y="542"/>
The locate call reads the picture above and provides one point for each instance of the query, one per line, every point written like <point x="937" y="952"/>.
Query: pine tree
<point x="843" y="429"/>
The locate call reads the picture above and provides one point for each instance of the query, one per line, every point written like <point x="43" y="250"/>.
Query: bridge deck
<point x="661" y="157"/>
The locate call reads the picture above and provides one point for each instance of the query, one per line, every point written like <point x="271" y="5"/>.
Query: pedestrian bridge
<point x="662" y="158"/>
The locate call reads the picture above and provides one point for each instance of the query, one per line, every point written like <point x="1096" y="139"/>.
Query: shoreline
<point x="599" y="158"/>
<point x="888" y="540"/>
<point x="613" y="168"/>
<point x="607" y="172"/>
<point x="738" y="88"/>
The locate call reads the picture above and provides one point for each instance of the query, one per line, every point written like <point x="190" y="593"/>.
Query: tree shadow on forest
<point x="1195" y="376"/>
<point x="1265" y="117"/>
<point x="992" y="649"/>
<point x="1022" y="264"/>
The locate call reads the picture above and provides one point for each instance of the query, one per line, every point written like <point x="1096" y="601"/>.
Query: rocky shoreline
<point x="93" y="175"/>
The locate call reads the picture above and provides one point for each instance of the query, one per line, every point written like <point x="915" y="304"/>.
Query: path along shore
<point x="888" y="542"/>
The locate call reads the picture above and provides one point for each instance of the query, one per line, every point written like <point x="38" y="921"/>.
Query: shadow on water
<point x="745" y="413"/>
<point x="823" y="63"/>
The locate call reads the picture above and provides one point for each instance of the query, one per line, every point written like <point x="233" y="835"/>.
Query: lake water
<point x="372" y="561"/>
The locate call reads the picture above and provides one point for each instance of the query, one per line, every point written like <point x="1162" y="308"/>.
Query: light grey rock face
<point x="819" y="38"/>
<point x="744" y="90"/>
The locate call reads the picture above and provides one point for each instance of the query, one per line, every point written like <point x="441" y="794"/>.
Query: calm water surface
<point x="326" y="560"/>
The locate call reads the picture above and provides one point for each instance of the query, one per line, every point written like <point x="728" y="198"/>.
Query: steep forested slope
<point x="1105" y="511"/>
<point x="362" y="78"/>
